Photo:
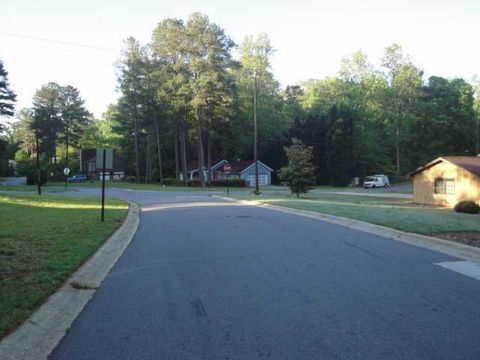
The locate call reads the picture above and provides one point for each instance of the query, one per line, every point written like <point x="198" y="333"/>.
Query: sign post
<point x="66" y="171"/>
<point x="227" y="169"/>
<point x="104" y="162"/>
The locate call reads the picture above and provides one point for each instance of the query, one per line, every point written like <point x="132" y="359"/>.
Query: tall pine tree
<point x="7" y="96"/>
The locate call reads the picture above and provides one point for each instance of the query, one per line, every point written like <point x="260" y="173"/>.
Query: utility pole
<point x="37" y="149"/>
<point x="255" y="132"/>
<point x="104" y="151"/>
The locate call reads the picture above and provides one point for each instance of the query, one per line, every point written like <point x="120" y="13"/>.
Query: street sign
<point x="104" y="162"/>
<point x="108" y="159"/>
<point x="66" y="171"/>
<point x="227" y="169"/>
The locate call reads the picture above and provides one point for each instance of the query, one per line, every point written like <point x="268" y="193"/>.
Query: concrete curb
<point x="429" y="242"/>
<point x="37" y="337"/>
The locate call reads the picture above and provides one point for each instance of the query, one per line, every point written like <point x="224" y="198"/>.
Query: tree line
<point x="187" y="97"/>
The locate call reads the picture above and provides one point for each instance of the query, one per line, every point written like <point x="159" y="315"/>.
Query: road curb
<point x="451" y="248"/>
<point x="38" y="336"/>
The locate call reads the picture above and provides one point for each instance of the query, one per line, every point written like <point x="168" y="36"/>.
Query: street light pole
<point x="255" y="132"/>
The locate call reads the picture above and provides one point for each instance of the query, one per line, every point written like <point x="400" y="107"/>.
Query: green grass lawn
<point x="399" y="214"/>
<point x="43" y="239"/>
<point x="405" y="187"/>
<point x="156" y="186"/>
<point x="60" y="186"/>
<point x="54" y="187"/>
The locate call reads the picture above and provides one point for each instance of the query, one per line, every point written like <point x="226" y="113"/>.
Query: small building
<point x="246" y="170"/>
<point x="88" y="160"/>
<point x="240" y="170"/>
<point x="447" y="180"/>
<point x="215" y="170"/>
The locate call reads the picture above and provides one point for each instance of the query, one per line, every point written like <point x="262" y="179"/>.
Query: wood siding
<point x="467" y="185"/>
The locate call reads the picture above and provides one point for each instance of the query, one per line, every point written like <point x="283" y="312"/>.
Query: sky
<point x="310" y="37"/>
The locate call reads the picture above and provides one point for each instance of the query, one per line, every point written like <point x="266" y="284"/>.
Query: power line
<point x="72" y="50"/>
<point x="58" y="42"/>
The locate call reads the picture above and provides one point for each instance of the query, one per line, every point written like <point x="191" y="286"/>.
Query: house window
<point x="444" y="186"/>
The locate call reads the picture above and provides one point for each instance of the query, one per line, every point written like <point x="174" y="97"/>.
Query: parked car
<point x="376" y="181"/>
<point x="77" y="178"/>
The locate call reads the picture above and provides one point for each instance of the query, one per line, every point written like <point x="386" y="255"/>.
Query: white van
<point x="376" y="181"/>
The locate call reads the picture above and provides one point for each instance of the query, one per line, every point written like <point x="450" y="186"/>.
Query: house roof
<point x="237" y="167"/>
<point x="119" y="163"/>
<point x="241" y="166"/>
<point x="470" y="163"/>
<point x="193" y="165"/>
<point x="91" y="155"/>
<point x="87" y="154"/>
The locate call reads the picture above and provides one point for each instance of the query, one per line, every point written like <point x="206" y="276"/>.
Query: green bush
<point x="31" y="178"/>
<point x="28" y="168"/>
<point x="467" y="206"/>
<point x="172" y="182"/>
<point x="194" y="183"/>
<point x="231" y="182"/>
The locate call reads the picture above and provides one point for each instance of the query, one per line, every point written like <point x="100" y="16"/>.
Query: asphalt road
<point x="205" y="279"/>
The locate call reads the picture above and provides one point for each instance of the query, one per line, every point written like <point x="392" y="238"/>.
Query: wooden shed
<point x="447" y="180"/>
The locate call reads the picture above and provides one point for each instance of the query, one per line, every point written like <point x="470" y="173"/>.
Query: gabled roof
<point x="193" y="165"/>
<point x="242" y="166"/>
<point x="238" y="167"/>
<point x="470" y="163"/>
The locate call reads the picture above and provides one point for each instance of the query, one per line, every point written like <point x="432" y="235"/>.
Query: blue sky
<point x="310" y="36"/>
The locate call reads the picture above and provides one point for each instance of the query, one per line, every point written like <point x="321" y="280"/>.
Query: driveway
<point x="208" y="279"/>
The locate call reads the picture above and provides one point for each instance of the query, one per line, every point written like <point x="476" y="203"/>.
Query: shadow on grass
<point x="43" y="241"/>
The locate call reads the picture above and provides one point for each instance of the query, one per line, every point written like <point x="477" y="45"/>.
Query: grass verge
<point x="399" y="214"/>
<point x="52" y="188"/>
<point x="42" y="241"/>
<point x="60" y="186"/>
<point x="155" y="186"/>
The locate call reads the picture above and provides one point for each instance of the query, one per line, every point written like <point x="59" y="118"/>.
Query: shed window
<point x="444" y="186"/>
<point x="439" y="186"/>
<point x="449" y="186"/>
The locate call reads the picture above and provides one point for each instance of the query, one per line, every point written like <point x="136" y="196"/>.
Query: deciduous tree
<point x="299" y="172"/>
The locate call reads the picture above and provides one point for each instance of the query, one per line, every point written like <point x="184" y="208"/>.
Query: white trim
<point x="248" y="167"/>
<point x="211" y="167"/>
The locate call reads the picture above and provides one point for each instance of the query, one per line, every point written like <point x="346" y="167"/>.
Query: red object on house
<point x="227" y="169"/>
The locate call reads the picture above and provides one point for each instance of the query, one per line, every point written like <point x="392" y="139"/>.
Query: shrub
<point x="133" y="179"/>
<point x="194" y="183"/>
<point x="467" y="206"/>
<point x="231" y="182"/>
<point x="29" y="170"/>
<point x="31" y="178"/>
<point x="172" y="182"/>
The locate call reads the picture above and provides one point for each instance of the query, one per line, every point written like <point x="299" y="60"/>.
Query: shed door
<point x="262" y="179"/>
